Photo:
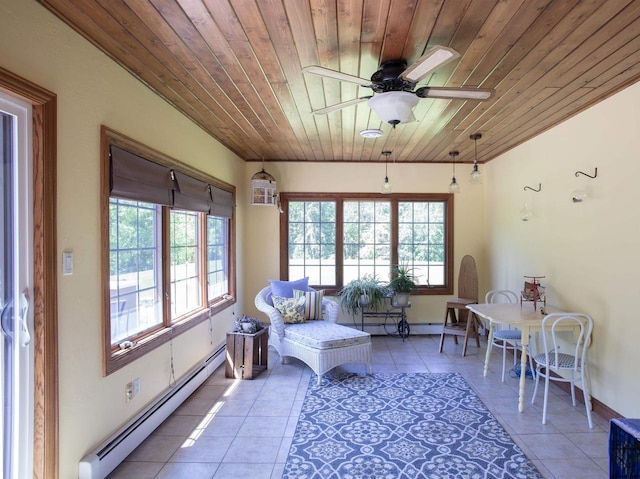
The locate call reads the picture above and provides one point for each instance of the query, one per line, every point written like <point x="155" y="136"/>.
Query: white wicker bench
<point x="322" y="345"/>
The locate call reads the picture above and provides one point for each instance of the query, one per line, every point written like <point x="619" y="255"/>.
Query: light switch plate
<point x="67" y="262"/>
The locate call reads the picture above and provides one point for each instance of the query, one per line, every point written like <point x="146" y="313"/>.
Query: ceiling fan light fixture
<point x="394" y="107"/>
<point x="371" y="133"/>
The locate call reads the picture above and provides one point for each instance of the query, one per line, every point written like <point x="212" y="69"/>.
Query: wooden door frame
<point x="45" y="298"/>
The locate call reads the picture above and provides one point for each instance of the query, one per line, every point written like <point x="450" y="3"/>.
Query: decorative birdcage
<point x="263" y="189"/>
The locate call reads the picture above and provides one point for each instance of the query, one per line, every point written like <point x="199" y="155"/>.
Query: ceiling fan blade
<point x="340" y="106"/>
<point x="462" y="93"/>
<point x="326" y="72"/>
<point x="433" y="59"/>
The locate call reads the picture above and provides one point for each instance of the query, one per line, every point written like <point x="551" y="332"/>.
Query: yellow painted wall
<point x="92" y="90"/>
<point x="261" y="243"/>
<point x="588" y="251"/>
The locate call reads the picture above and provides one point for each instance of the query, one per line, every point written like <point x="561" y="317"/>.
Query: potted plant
<point x="366" y="292"/>
<point x="248" y="325"/>
<point x="402" y="283"/>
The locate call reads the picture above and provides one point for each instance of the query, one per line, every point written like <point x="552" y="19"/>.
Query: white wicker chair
<point x="321" y="344"/>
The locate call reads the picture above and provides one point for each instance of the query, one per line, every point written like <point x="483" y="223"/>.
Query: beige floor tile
<point x="202" y="449"/>
<point x="136" y="470"/>
<point x="248" y="450"/>
<point x="223" y="426"/>
<point x="244" y="428"/>
<point x="552" y="446"/>
<point x="156" y="449"/>
<point x="258" y="427"/>
<point x="188" y="470"/>
<point x="241" y="471"/>
<point x="573" y="467"/>
<point x="178" y="426"/>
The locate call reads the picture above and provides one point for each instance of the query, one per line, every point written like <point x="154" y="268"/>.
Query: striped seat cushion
<point x="323" y="335"/>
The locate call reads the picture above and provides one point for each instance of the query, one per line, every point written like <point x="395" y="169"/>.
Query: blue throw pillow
<point x="284" y="289"/>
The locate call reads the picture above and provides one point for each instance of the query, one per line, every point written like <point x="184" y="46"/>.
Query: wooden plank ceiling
<point x="235" y="68"/>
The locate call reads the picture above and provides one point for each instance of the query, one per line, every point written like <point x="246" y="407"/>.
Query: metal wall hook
<point x="533" y="189"/>
<point x="578" y="173"/>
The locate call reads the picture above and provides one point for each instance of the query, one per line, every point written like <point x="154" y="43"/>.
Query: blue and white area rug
<point x="400" y="426"/>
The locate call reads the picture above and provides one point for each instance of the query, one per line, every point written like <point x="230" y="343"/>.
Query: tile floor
<point x="243" y="429"/>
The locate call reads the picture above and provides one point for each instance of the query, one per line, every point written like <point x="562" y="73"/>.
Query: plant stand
<point x="246" y="354"/>
<point x="395" y="314"/>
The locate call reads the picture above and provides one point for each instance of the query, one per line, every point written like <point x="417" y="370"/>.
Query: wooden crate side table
<point x="246" y="354"/>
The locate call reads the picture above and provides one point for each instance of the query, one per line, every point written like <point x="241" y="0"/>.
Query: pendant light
<point x="454" y="187"/>
<point x="386" y="185"/>
<point x="476" y="175"/>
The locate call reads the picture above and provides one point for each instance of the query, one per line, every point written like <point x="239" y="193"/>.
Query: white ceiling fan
<point x="394" y="84"/>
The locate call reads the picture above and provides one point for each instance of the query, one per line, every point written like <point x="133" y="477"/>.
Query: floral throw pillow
<point x="313" y="303"/>
<point x="291" y="309"/>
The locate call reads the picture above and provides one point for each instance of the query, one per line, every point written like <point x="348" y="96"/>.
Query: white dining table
<point x="524" y="317"/>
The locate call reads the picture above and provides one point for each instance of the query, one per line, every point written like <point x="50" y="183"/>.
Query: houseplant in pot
<point x="402" y="283"/>
<point x="366" y="292"/>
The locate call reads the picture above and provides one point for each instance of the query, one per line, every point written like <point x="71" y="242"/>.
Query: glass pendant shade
<point x="386" y="186"/>
<point x="454" y="187"/>
<point x="476" y="175"/>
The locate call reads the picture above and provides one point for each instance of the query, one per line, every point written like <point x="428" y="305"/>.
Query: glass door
<point x="16" y="265"/>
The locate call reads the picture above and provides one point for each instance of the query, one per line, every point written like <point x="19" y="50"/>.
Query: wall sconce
<point x="577" y="196"/>
<point x="386" y="186"/>
<point x="454" y="187"/>
<point x="476" y="176"/>
<point x="526" y="213"/>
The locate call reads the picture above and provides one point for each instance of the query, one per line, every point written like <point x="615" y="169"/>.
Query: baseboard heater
<point x="106" y="457"/>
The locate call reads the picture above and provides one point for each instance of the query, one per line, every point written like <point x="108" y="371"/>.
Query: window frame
<point x="394" y="199"/>
<point x="115" y="358"/>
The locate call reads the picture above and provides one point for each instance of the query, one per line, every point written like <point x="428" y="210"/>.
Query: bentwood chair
<point x="507" y="339"/>
<point x="570" y="366"/>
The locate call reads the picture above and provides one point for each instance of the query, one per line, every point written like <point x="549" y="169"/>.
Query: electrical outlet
<point x="136" y="387"/>
<point x="128" y="391"/>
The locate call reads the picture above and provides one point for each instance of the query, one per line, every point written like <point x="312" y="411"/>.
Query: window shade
<point x="192" y="194"/>
<point x="221" y="202"/>
<point x="135" y="178"/>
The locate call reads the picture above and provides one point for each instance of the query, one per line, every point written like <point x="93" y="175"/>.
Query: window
<point x="134" y="280"/>
<point x="185" y="270"/>
<point x="366" y="239"/>
<point x="217" y="257"/>
<point x="169" y="249"/>
<point x="335" y="238"/>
